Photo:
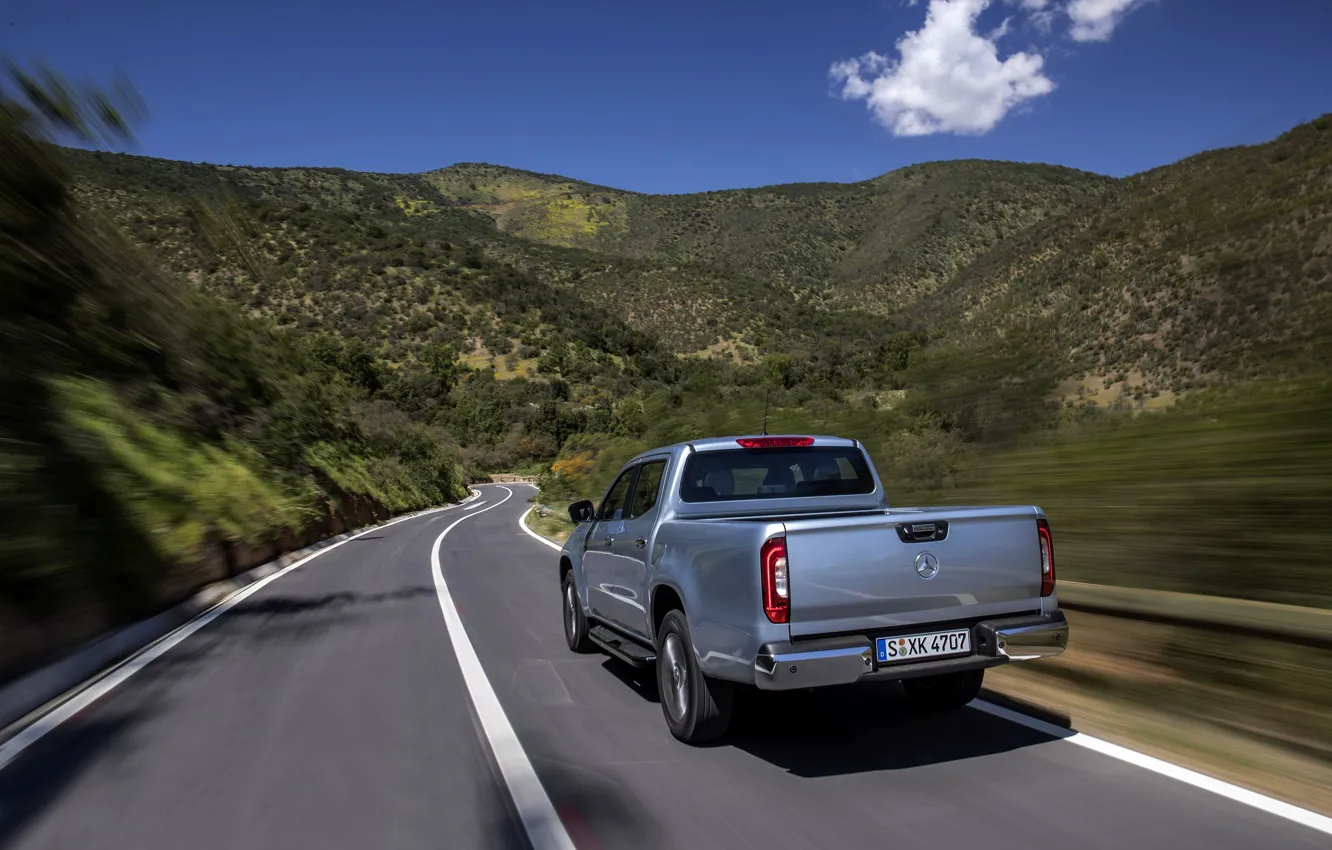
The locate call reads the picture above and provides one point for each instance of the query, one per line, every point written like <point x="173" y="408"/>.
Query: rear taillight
<point x="776" y="580"/>
<point x="775" y="442"/>
<point x="1047" y="557"/>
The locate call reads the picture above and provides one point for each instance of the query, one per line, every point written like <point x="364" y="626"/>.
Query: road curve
<point x="329" y="710"/>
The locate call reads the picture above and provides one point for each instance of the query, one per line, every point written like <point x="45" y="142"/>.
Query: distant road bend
<point x="406" y="688"/>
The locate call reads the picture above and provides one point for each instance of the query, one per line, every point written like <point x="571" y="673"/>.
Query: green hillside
<point x="1201" y="273"/>
<point x="1190" y="275"/>
<point x="384" y="258"/>
<point x="542" y="207"/>
<point x="877" y="244"/>
<point x="391" y="260"/>
<point x="948" y="314"/>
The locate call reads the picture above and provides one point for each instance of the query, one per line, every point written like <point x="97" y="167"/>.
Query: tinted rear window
<point x="731" y="474"/>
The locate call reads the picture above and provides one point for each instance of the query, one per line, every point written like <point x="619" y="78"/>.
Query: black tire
<point x="947" y="692"/>
<point x="696" y="708"/>
<point x="575" y="623"/>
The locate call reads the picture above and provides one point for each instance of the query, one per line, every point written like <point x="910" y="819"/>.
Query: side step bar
<point x="629" y="651"/>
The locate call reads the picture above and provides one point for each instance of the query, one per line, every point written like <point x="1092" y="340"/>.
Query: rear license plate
<point x="930" y="645"/>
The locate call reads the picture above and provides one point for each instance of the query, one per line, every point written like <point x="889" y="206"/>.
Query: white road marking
<point x="442" y="515"/>
<point x="474" y="507"/>
<point x="543" y="826"/>
<point x="1165" y="768"/>
<point x="522" y="523"/>
<point x="88" y="693"/>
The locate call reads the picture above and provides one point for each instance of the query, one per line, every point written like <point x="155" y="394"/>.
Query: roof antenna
<point x="765" y="412"/>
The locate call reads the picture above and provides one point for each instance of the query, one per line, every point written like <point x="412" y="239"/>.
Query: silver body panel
<point x="851" y="577"/>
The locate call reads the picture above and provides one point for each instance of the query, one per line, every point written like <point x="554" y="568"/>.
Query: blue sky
<point x="696" y="94"/>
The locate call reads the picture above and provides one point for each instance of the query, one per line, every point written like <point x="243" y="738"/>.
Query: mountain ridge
<point x="936" y="246"/>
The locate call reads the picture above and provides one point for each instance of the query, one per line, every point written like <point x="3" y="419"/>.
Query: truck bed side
<point x="713" y="566"/>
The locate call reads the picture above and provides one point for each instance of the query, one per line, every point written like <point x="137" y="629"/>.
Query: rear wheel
<point x="696" y="708"/>
<point x="946" y="692"/>
<point x="575" y="623"/>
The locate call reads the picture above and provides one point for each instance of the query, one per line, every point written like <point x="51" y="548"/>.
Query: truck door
<point x="599" y="553"/>
<point x="633" y="547"/>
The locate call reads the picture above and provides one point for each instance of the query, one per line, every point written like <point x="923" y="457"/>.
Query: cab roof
<point x="710" y="444"/>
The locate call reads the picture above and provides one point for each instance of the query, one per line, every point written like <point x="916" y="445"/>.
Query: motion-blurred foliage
<point x="1225" y="494"/>
<point x="140" y="419"/>
<point x="959" y="318"/>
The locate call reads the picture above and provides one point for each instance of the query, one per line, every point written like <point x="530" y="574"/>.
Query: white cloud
<point x="1043" y="20"/>
<point x="948" y="79"/>
<point x="1095" y="20"/>
<point x="1040" y="13"/>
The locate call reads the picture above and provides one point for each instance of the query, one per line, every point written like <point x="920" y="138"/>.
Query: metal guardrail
<point x="1287" y="623"/>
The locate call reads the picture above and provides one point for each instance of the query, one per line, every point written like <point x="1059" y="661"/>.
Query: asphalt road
<point x="329" y="710"/>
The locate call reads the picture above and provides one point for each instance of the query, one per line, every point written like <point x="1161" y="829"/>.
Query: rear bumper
<point x="847" y="659"/>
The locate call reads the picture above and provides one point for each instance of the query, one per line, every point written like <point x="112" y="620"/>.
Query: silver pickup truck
<point x="775" y="562"/>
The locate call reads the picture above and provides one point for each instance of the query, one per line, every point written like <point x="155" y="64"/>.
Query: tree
<point x="360" y="366"/>
<point x="444" y="367"/>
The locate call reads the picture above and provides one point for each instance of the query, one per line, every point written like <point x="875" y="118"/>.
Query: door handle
<point x="608" y="541"/>
<point x="640" y="543"/>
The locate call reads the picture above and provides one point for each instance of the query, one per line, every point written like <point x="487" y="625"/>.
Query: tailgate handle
<point x="922" y="532"/>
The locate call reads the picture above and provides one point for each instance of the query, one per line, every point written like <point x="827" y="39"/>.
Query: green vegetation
<point x="1201" y="273"/>
<point x="991" y="331"/>
<point x="200" y="359"/>
<point x="879" y="244"/>
<point x="143" y="424"/>
<point x="1188" y="499"/>
<point x="538" y="206"/>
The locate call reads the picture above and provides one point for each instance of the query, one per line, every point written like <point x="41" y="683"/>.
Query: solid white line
<point x="522" y="523"/>
<point x="543" y="826"/>
<point x="1156" y="765"/>
<point x="1165" y="768"/>
<point x="118" y="674"/>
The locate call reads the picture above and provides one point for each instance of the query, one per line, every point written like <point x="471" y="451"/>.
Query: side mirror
<point x="581" y="511"/>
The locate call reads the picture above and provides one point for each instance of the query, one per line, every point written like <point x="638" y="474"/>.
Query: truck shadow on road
<point x="838" y="731"/>
<point x="641" y="680"/>
<point x="856" y="729"/>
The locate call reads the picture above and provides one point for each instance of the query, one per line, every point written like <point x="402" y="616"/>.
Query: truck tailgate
<point x="855" y="574"/>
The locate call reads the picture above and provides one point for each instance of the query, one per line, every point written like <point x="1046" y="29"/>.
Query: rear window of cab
<point x="775" y="473"/>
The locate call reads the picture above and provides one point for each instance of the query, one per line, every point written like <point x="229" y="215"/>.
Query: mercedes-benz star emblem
<point x="927" y="566"/>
